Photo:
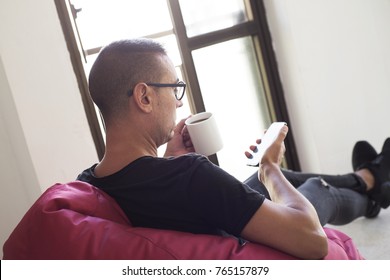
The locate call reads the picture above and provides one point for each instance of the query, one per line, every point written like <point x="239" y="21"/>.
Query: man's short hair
<point x="118" y="68"/>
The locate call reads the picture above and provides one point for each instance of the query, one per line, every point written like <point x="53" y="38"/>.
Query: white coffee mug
<point x="204" y="133"/>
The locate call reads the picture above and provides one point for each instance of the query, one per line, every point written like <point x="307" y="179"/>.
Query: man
<point x="134" y="84"/>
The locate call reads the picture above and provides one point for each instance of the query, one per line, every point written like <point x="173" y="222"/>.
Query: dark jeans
<point x="338" y="199"/>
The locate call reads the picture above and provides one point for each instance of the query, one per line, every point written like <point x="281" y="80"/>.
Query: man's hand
<point x="252" y="148"/>
<point x="275" y="153"/>
<point x="180" y="143"/>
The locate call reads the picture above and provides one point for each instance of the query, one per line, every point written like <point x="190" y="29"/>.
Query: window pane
<point x="102" y="21"/>
<point x="232" y="89"/>
<point x="202" y="16"/>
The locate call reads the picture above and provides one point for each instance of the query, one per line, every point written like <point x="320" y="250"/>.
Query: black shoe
<point x="380" y="169"/>
<point x="362" y="153"/>
<point x="382" y="197"/>
<point x="386" y="145"/>
<point x="373" y="209"/>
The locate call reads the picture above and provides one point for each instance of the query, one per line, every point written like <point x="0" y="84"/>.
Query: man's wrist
<point x="266" y="170"/>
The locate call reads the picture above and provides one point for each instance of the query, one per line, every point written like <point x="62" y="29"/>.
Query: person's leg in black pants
<point x="336" y="204"/>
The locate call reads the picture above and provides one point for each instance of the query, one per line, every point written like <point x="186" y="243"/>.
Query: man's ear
<point x="142" y="97"/>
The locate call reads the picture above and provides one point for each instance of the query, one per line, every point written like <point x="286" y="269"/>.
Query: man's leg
<point x="336" y="206"/>
<point x="348" y="181"/>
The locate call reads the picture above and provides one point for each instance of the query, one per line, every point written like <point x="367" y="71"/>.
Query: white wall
<point x="334" y="62"/>
<point x="43" y="128"/>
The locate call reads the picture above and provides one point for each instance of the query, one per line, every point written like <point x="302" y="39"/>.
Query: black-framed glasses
<point x="179" y="88"/>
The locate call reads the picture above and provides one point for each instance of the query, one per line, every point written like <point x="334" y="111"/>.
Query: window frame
<point x="69" y="28"/>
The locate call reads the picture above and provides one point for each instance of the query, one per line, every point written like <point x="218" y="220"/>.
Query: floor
<point x="371" y="236"/>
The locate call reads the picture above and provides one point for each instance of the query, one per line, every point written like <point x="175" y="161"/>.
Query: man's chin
<point x="169" y="137"/>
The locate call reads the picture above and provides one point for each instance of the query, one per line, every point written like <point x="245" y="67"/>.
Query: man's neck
<point x="122" y="149"/>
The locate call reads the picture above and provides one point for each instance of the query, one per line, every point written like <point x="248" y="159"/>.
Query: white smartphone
<point x="268" y="138"/>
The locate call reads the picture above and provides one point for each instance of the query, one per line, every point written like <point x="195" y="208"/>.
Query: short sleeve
<point x="221" y="199"/>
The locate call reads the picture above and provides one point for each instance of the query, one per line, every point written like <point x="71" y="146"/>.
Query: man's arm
<point x="289" y="222"/>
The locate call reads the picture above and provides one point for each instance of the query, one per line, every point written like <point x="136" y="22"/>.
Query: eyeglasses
<point x="179" y="88"/>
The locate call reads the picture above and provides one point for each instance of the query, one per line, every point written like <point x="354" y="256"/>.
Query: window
<point x="215" y="45"/>
<point x="235" y="95"/>
<point x="204" y="16"/>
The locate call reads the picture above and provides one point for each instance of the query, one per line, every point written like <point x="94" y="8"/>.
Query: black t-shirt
<point x="186" y="193"/>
